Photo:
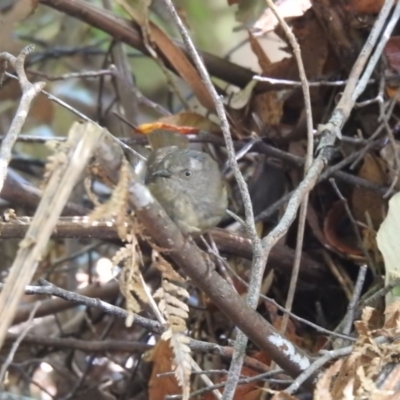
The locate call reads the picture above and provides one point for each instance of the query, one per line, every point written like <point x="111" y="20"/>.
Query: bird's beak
<point x="162" y="173"/>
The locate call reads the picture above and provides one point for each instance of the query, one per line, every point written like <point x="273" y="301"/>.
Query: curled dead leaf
<point x="338" y="232"/>
<point x="362" y="200"/>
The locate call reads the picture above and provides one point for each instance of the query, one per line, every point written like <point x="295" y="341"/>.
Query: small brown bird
<point x="187" y="183"/>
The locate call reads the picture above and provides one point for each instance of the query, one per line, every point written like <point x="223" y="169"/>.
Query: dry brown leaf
<point x="161" y="386"/>
<point x="248" y="391"/>
<point x="42" y="110"/>
<point x="346" y="372"/>
<point x="339" y="236"/>
<point x="165" y="267"/>
<point x="130" y="281"/>
<point x="269" y="106"/>
<point x="392" y="53"/>
<point x="323" y="386"/>
<point x="362" y="329"/>
<point x="314" y="224"/>
<point x="363" y="200"/>
<point x="262" y="58"/>
<point x="313" y="43"/>
<point x="117" y="205"/>
<point x="314" y="51"/>
<point x="393" y="308"/>
<point x="184" y="67"/>
<point x="366" y="6"/>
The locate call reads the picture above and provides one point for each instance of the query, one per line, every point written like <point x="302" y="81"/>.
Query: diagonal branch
<point x="187" y="256"/>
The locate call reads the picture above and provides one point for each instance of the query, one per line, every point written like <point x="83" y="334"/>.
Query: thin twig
<point x="356" y="295"/>
<point x="17" y="342"/>
<point x="351" y="308"/>
<point x="29" y="92"/>
<point x="316" y="365"/>
<point x="309" y="157"/>
<point x="289" y="82"/>
<point x="49" y="289"/>
<point x="72" y="75"/>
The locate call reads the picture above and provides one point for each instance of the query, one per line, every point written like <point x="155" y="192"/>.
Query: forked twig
<point x="29" y="92"/>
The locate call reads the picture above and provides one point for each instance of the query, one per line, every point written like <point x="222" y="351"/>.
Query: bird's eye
<point x="188" y="173"/>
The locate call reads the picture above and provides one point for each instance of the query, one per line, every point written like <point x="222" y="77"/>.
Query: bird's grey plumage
<point x="189" y="186"/>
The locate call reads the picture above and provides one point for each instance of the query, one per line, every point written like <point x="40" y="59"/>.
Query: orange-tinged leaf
<point x="192" y="119"/>
<point x="145" y="129"/>
<point x="391" y="91"/>
<point x="184" y="123"/>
